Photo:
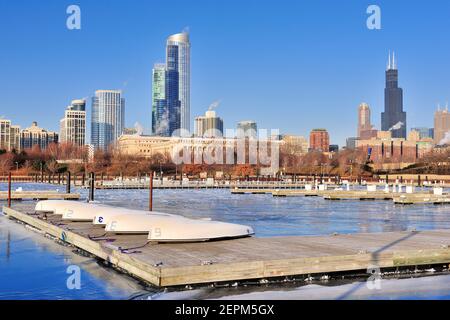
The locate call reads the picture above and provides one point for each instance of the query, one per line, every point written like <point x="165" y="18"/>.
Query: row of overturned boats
<point x="160" y="227"/>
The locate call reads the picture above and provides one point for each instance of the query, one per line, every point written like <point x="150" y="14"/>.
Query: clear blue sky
<point x="292" y="65"/>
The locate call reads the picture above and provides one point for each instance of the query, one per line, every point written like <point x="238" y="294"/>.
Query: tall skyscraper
<point x="73" y="125"/>
<point x="178" y="55"/>
<point x="160" y="124"/>
<point x="108" y="118"/>
<point x="363" y="118"/>
<point x="393" y="118"/>
<point x="441" y="125"/>
<point x="209" y="125"/>
<point x="173" y="103"/>
<point x="319" y="140"/>
<point x="171" y="93"/>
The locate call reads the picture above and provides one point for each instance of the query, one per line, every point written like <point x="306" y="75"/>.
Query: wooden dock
<point x="297" y="193"/>
<point x="39" y="195"/>
<point x="249" y="258"/>
<point x="252" y="191"/>
<point x="421" y="198"/>
<point x="355" y="195"/>
<point x="359" y="195"/>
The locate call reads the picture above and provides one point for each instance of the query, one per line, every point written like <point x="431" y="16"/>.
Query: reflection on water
<point x="32" y="267"/>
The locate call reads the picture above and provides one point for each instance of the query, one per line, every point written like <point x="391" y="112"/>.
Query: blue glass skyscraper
<point x="179" y="55"/>
<point x="160" y="113"/>
<point x="108" y="118"/>
<point x="171" y="88"/>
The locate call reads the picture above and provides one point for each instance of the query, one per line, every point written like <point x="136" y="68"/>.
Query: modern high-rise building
<point x="319" y="140"/>
<point x="393" y="118"/>
<point x="178" y="61"/>
<point x="108" y="118"/>
<point x="160" y="116"/>
<point x="171" y="93"/>
<point x="363" y="118"/>
<point x="9" y="136"/>
<point x="36" y="136"/>
<point x="209" y="125"/>
<point x="73" y="125"/>
<point x="441" y="125"/>
<point x="247" y="129"/>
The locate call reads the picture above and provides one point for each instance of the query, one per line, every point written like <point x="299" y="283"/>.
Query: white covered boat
<point x="98" y="214"/>
<point x="104" y="216"/>
<point x="163" y="227"/>
<point x="160" y="227"/>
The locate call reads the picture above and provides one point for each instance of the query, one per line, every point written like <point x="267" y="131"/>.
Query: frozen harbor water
<point x="32" y="267"/>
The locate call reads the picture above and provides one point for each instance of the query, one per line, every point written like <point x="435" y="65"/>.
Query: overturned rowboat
<point x="106" y="215"/>
<point x="59" y="207"/>
<point x="162" y="227"/>
<point x="82" y="211"/>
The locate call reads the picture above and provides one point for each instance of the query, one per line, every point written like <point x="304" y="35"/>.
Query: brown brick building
<point x="319" y="140"/>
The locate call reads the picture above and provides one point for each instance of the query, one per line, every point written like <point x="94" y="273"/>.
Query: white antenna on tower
<point x="389" y="61"/>
<point x="393" y="61"/>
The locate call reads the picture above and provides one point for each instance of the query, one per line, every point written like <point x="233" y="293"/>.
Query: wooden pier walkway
<point x="39" y="195"/>
<point x="249" y="258"/>
<point x="421" y="198"/>
<point x="359" y="195"/>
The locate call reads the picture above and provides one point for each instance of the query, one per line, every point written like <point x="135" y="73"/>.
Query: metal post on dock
<point x="68" y="182"/>
<point x="9" y="190"/>
<point x="91" y="186"/>
<point x="150" y="199"/>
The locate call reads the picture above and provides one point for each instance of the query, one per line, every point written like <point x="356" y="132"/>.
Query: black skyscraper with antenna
<point x="393" y="118"/>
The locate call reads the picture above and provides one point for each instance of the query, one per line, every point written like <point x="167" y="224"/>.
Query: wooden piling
<point x="68" y="182"/>
<point x="9" y="190"/>
<point x="91" y="186"/>
<point x="150" y="200"/>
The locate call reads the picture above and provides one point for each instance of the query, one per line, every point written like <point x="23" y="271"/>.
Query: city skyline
<point x="214" y="71"/>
